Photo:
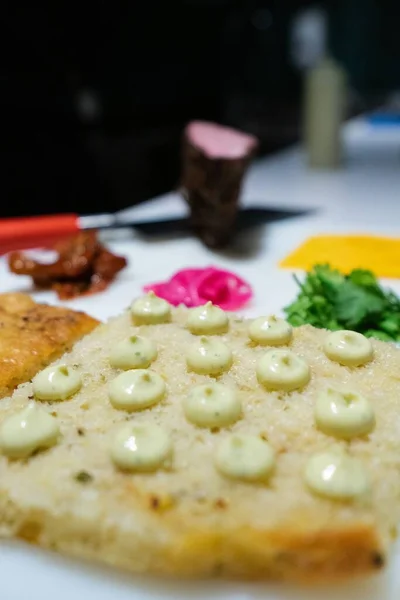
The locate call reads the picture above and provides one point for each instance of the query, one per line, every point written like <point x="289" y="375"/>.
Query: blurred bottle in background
<point x="324" y="104"/>
<point x="324" y="96"/>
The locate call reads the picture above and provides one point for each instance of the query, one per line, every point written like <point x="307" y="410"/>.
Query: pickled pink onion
<point x="194" y="287"/>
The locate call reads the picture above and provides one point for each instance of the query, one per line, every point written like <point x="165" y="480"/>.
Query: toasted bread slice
<point x="33" y="335"/>
<point x="188" y="520"/>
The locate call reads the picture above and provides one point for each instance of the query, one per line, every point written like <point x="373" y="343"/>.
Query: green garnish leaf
<point x="331" y="300"/>
<point x="355" y="305"/>
<point x="379" y="335"/>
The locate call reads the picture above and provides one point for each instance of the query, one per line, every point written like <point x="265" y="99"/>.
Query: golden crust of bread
<point x="33" y="335"/>
<point x="238" y="553"/>
<point x="188" y="520"/>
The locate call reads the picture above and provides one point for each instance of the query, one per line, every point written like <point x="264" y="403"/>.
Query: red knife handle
<point x="33" y="232"/>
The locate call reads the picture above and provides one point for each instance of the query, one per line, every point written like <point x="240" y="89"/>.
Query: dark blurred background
<point x="95" y="95"/>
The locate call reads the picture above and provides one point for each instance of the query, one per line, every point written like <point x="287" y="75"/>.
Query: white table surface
<point x="363" y="196"/>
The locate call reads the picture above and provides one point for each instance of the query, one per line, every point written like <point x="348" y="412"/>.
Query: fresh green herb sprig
<point x="356" y="301"/>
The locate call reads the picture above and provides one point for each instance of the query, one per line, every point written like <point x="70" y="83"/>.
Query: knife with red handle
<point x="21" y="233"/>
<point x="31" y="232"/>
<point x="43" y="231"/>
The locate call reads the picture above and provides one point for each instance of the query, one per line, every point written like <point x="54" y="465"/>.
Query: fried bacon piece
<point x="83" y="266"/>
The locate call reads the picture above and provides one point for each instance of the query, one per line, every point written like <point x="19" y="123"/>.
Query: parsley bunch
<point x="356" y="301"/>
